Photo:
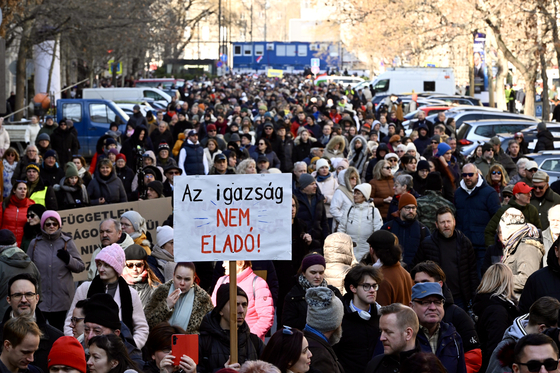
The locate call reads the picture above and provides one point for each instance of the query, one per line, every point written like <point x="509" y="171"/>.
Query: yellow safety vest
<point x="39" y="197"/>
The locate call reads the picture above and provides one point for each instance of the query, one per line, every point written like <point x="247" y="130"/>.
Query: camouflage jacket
<point x="428" y="204"/>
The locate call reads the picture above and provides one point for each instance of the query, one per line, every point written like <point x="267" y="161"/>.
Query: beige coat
<point x="339" y="255"/>
<point x="525" y="259"/>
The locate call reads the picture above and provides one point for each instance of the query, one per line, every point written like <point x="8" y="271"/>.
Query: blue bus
<point x="287" y="56"/>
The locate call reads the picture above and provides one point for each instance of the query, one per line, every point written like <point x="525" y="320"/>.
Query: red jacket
<point x="221" y="127"/>
<point x="14" y="216"/>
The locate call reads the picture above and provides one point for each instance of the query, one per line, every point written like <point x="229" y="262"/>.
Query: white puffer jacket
<point x="360" y="221"/>
<point x="339" y="257"/>
<point x="327" y="188"/>
<point x="342" y="198"/>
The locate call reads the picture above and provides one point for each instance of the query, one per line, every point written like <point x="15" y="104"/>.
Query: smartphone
<point x="184" y="344"/>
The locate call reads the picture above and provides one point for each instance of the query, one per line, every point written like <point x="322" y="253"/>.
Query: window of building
<point x="259" y="50"/>
<point x="280" y="50"/>
<point x="237" y="50"/>
<point x="302" y="50"/>
<point x="290" y="50"/>
<point x="247" y="50"/>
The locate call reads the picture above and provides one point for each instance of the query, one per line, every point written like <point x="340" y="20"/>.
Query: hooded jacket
<point x="65" y="143"/>
<point x="71" y="197"/>
<point x="313" y="214"/>
<point x="111" y="189"/>
<point x="343" y="197"/>
<point x="358" y="158"/>
<point x="330" y="151"/>
<point x="422" y="142"/>
<point x="360" y="221"/>
<point x="545" y="281"/>
<point x="529" y="211"/>
<point x="130" y="146"/>
<point x="302" y="149"/>
<point x="512" y="334"/>
<point x="339" y="257"/>
<point x="546" y="141"/>
<point x="410" y="234"/>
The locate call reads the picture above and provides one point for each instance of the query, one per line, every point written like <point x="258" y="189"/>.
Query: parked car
<point x="530" y="136"/>
<point x="128" y="107"/>
<point x="455" y="99"/>
<point x="548" y="161"/>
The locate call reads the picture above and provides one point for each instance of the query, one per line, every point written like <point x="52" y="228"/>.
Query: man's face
<point x="369" y="296"/>
<point x="441" y="116"/>
<point x="445" y="224"/>
<point x="32" y="175"/>
<point x="21" y="356"/>
<point x="452" y="143"/>
<point x="488" y="154"/>
<point x="160" y="116"/>
<point x="393" y="336"/>
<point x="428" y="310"/>
<point x="540" y="189"/>
<point x="327" y="130"/>
<point x="170" y="174"/>
<point x="523" y="198"/>
<point x="194" y="138"/>
<point x="529" y="173"/>
<point x="185" y="106"/>
<point x="108" y="233"/>
<point x="536" y="355"/>
<point x="408" y="213"/>
<point x="242" y="305"/>
<point x="23" y="298"/>
<point x="221" y="165"/>
<point x="50" y="161"/>
<point x="300" y="169"/>
<point x="470" y="176"/>
<point x="93" y="330"/>
<point x="421" y="115"/>
<point x="310" y="189"/>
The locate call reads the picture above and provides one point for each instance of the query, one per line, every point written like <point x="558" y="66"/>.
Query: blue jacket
<point x="474" y="211"/>
<point x="450" y="348"/>
<point x="410" y="235"/>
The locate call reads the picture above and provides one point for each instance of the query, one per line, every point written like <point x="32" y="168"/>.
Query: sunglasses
<point x="496" y="173"/>
<point x="387" y="168"/>
<point x="51" y="224"/>
<point x="435" y="142"/>
<point x="31" y="215"/>
<point x="132" y="265"/>
<point x="539" y="187"/>
<point x="535" y="365"/>
<point x="467" y="174"/>
<point x="173" y="173"/>
<point x="508" y="195"/>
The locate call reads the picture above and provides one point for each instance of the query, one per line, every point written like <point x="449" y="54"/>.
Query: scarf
<point x="323" y="178"/>
<point x="97" y="287"/>
<point x="82" y="172"/>
<point x="9" y="167"/>
<point x="511" y="243"/>
<point x="131" y="280"/>
<point x="183" y="308"/>
<point x="305" y="284"/>
<point x="162" y="254"/>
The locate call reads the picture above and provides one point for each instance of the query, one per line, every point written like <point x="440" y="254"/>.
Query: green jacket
<point x="484" y="166"/>
<point x="531" y="216"/>
<point x="549" y="200"/>
<point x="428" y="204"/>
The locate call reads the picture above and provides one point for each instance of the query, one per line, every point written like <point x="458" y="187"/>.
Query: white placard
<point x="233" y="217"/>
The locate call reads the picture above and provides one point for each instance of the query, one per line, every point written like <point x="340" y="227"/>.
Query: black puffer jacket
<point x="461" y="320"/>
<point x="111" y="189"/>
<point x="65" y="143"/>
<point x="213" y="346"/>
<point x="359" y="339"/>
<point x="431" y="248"/>
<point x="295" y="306"/>
<point x="314" y="215"/>
<point x="546" y="141"/>
<point x="127" y="175"/>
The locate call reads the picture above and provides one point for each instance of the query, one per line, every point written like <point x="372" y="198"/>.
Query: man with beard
<point x="324" y="328"/>
<point x="436" y="336"/>
<point x="407" y="228"/>
<point x="454" y="253"/>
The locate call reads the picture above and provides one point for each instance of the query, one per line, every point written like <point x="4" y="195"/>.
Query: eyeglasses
<point x="287" y="330"/>
<point x="535" y="365"/>
<point x="435" y="142"/>
<point x="368" y="287"/>
<point x="75" y="320"/>
<point x="51" y="224"/>
<point x="18" y="296"/>
<point x="496" y="172"/>
<point x="137" y="265"/>
<point x="467" y="174"/>
<point x="437" y="302"/>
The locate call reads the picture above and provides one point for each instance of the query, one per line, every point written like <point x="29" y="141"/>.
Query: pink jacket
<point x="260" y="313"/>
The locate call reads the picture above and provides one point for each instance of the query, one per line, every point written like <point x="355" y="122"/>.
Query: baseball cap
<point x="521" y="187"/>
<point x="219" y="157"/>
<point x="425" y="289"/>
<point x="530" y="165"/>
<point x="192" y="133"/>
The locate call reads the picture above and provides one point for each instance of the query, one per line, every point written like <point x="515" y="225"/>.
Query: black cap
<point x="262" y="158"/>
<point x="7" y="237"/>
<point x="222" y="297"/>
<point x="219" y="157"/>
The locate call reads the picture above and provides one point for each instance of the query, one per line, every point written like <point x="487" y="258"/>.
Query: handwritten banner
<point x="233" y="217"/>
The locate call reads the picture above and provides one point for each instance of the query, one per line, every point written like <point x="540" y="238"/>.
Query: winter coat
<point x="127" y="176"/>
<point x="129" y="148"/>
<point x="65" y="143"/>
<point x="360" y="221"/>
<point x="396" y="286"/>
<point x="13" y="261"/>
<point x="295" y="306"/>
<point x="31" y="133"/>
<point x="51" y="175"/>
<point x="529" y="211"/>
<point x="4" y="140"/>
<point x="161" y="263"/>
<point x="323" y="357"/>
<point x="273" y="160"/>
<point x="495" y="314"/>
<point x="550" y="199"/>
<point x="525" y="259"/>
<point x="390" y="363"/>
<point x="137" y="119"/>
<point x="328" y="188"/>
<point x="410" y="234"/>
<point x="428" y="204"/>
<point x="210" y="157"/>
<point x="431" y="249"/>
<point x="360" y="161"/>
<point x="381" y="189"/>
<point x="20" y="173"/>
<point x="286" y="163"/>
<point x="422" y="143"/>
<point x="339" y="257"/>
<point x="507" y="163"/>
<point x="145" y="291"/>
<point x="214" y="344"/>
<point x="302" y="149"/>
<point x="158" y="138"/>
<point x="449" y="348"/>
<point x="156" y="311"/>
<point x="342" y="199"/>
<point x="484" y="166"/>
<point x="14" y="216"/>
<point x="545" y="141"/>
<point x="140" y="329"/>
<point x="313" y="215"/>
<point x="71" y="197"/>
<point x="111" y="189"/>
<point x="359" y="340"/>
<point x="58" y="283"/>
<point x="475" y="210"/>
<point x="260" y="313"/>
<point x="512" y="334"/>
<point x="330" y="152"/>
<point x="373" y="161"/>
<point x="544" y="282"/>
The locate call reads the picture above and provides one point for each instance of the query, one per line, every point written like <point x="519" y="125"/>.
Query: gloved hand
<point x="63" y="255"/>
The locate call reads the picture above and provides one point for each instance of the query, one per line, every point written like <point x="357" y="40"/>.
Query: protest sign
<point x="233" y="217"/>
<point x="83" y="223"/>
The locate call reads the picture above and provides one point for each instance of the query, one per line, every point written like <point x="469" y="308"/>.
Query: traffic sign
<point x="315" y="69"/>
<point x="223" y="57"/>
<point x="219" y="64"/>
<point x="315" y="62"/>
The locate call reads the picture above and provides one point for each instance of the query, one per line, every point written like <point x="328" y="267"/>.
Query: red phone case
<point x="184" y="344"/>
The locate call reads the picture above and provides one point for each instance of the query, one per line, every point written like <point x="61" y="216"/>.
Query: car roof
<point x="491" y="122"/>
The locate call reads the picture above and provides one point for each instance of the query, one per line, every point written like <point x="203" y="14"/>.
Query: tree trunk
<point x="530" y="80"/>
<point x="544" y="96"/>
<point x="56" y="45"/>
<point x="21" y="67"/>
<point x="501" y="79"/>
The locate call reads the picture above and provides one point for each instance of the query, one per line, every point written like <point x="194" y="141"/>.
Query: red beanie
<point x="68" y="351"/>
<point x="407" y="199"/>
<point x="121" y="156"/>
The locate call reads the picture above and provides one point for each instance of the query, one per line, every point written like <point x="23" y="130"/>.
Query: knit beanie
<point x="222" y="297"/>
<point x="324" y="309"/>
<point x="407" y="199"/>
<point x="321" y="163"/>
<point x="43" y="137"/>
<point x="137" y="221"/>
<point x="114" y="256"/>
<point x="68" y="351"/>
<point x="312" y="260"/>
<point x="511" y="221"/>
<point x="365" y="189"/>
<point x="157" y="186"/>
<point x="51" y="214"/>
<point x="121" y="156"/>
<point x="442" y="148"/>
<point x="33" y="166"/>
<point x="410" y="146"/>
<point x="433" y="181"/>
<point x="164" y="235"/>
<point x="343" y="163"/>
<point x="50" y="153"/>
<point x="103" y="310"/>
<point x="37" y="209"/>
<point x="71" y="169"/>
<point x="135" y="252"/>
<point x="436" y="138"/>
<point x="7" y="237"/>
<point x="114" y="151"/>
<point x="305" y="180"/>
<point x="423" y="165"/>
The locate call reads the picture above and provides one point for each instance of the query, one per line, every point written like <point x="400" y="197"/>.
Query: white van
<point x="342" y="80"/>
<point x="420" y="79"/>
<point x="128" y="94"/>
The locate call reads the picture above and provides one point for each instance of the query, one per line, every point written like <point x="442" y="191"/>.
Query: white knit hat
<point x="164" y="235"/>
<point x="365" y="189"/>
<point x="321" y="162"/>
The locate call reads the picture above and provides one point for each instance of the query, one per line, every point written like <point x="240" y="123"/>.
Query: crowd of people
<point x="406" y="255"/>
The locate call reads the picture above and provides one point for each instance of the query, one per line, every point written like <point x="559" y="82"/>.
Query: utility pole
<point x="219" y="28"/>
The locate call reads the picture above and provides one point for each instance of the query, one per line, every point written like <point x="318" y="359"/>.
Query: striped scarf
<point x="511" y="243"/>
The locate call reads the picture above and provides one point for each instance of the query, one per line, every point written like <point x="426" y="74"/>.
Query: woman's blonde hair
<point x="497" y="280"/>
<point x="377" y="169"/>
<point x="497" y="167"/>
<point x="242" y="167"/>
